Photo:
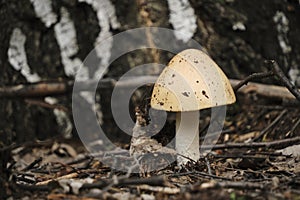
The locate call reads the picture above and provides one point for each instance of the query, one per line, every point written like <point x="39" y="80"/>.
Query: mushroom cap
<point x="191" y="81"/>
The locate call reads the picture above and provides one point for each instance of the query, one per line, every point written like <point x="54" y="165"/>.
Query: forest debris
<point x="68" y="176"/>
<point x="254" y="163"/>
<point x="275" y="71"/>
<point x="122" y="196"/>
<point x="67" y="196"/>
<point x="251" y="77"/>
<point x="166" y="185"/>
<point x="166" y="190"/>
<point x="207" y="185"/>
<point x="71" y="185"/>
<point x="264" y="90"/>
<point x="293" y="150"/>
<point x="246" y="136"/>
<point x="64" y="149"/>
<point x="277" y="144"/>
<point x="147" y="197"/>
<point x="292" y="130"/>
<point x="125" y="181"/>
<point x="31" y="165"/>
<point x="230" y="184"/>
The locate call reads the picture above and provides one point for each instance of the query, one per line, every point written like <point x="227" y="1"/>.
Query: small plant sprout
<point x="192" y="81"/>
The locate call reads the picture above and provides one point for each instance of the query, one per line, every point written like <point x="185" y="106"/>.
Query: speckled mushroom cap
<point x="191" y="81"/>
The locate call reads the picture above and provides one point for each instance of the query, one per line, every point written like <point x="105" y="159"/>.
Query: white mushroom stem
<point x="187" y="136"/>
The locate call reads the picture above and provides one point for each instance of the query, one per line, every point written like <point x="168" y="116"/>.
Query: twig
<point x="80" y="160"/>
<point x="208" y="166"/>
<point x="30" y="187"/>
<point x="278" y="144"/>
<point x="165" y="190"/>
<point x="31" y="165"/>
<point x="68" y="176"/>
<point x="191" y="160"/>
<point x="7" y="148"/>
<point x="36" y="89"/>
<point x="203" y="174"/>
<point x="211" y="176"/>
<point x="248" y="154"/>
<point x="231" y="184"/>
<point x="266" y="129"/>
<point x="251" y="78"/>
<point x="294" y="127"/>
<point x="25" y="178"/>
<point x="284" y="80"/>
<point x="153" y="181"/>
<point x="276" y="71"/>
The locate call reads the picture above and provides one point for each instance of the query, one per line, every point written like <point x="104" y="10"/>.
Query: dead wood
<point x="264" y="90"/>
<point x="231" y="184"/>
<point x="59" y="88"/>
<point x="277" y="144"/>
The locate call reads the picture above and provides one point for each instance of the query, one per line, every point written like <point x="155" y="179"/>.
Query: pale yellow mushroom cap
<point x="191" y="81"/>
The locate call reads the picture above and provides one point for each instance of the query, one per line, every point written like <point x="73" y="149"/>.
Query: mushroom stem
<point x="187" y="136"/>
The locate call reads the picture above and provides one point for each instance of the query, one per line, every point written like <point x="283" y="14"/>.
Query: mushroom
<point x="191" y="81"/>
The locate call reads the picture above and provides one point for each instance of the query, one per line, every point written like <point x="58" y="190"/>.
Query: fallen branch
<point x="39" y="89"/>
<point x="31" y="165"/>
<point x="230" y="184"/>
<point x="59" y="88"/>
<point x="68" y="176"/>
<point x="276" y="71"/>
<point x="197" y="173"/>
<point x="44" y="186"/>
<point x="156" y="189"/>
<point x="264" y="90"/>
<point x="278" y="144"/>
<point x="251" y="78"/>
<point x="152" y="181"/>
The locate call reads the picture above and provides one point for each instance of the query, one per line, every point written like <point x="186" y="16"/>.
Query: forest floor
<point x="257" y="157"/>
